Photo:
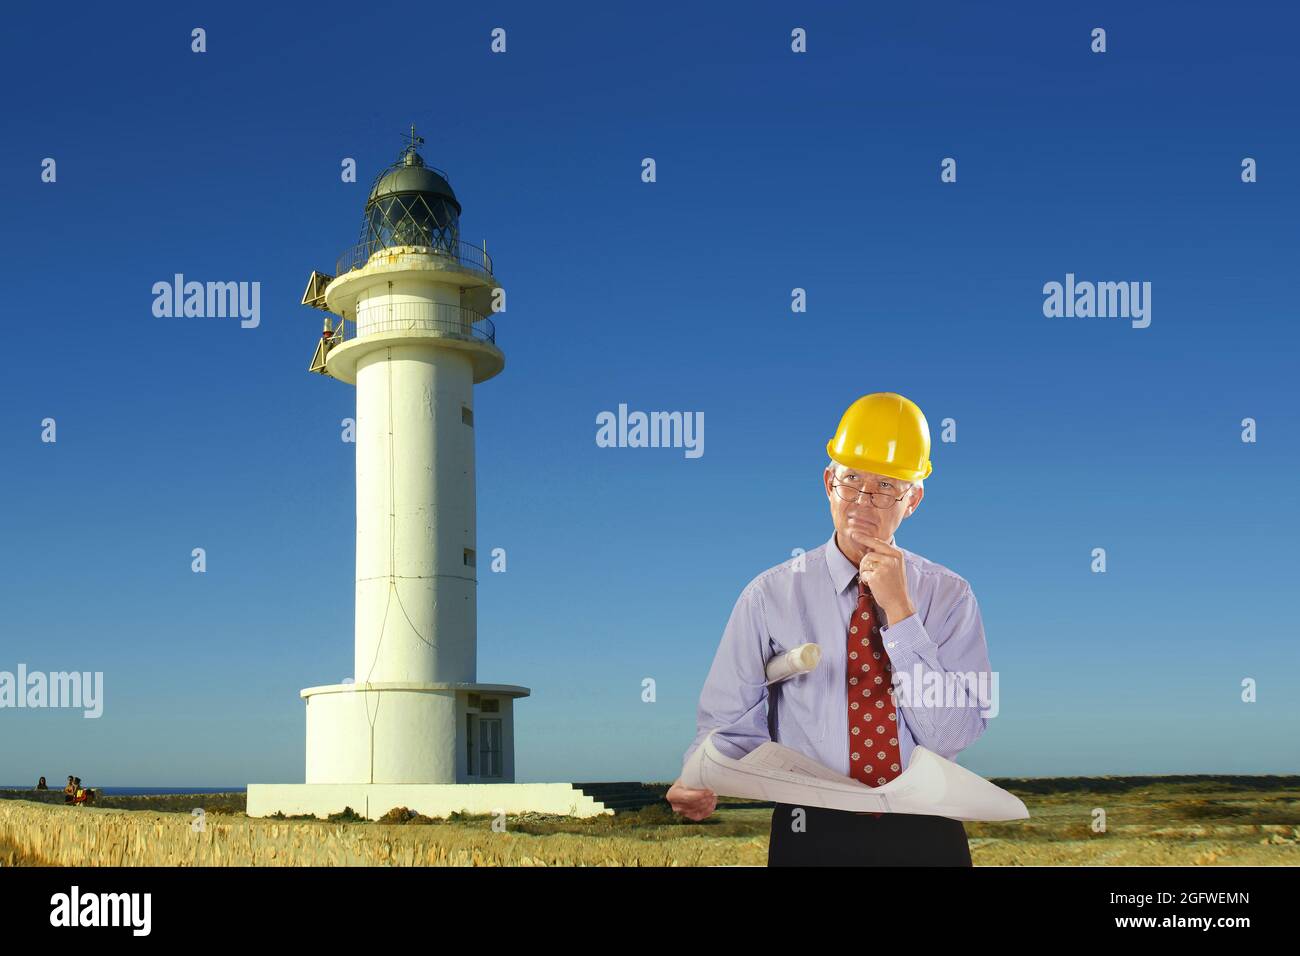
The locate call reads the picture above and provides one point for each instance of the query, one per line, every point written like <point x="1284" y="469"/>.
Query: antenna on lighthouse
<point x="413" y="143"/>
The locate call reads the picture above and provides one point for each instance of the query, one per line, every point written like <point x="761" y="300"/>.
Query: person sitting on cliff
<point x="70" y="791"/>
<point x="78" y="794"/>
<point x="40" y="784"/>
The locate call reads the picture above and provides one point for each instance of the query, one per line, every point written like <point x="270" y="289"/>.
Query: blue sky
<point x="775" y="171"/>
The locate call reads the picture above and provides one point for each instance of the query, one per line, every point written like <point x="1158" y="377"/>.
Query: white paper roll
<point x="798" y="661"/>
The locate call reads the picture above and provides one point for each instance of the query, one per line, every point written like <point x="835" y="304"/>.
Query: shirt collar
<point x="841" y="569"/>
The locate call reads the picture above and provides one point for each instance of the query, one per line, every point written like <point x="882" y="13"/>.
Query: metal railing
<point x="453" y="320"/>
<point x="473" y="258"/>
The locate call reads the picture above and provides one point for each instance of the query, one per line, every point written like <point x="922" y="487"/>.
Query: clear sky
<point x="775" y="170"/>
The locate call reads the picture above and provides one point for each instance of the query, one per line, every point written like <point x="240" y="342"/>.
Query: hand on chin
<point x="857" y="527"/>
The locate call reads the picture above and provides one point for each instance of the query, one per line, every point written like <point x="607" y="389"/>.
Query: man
<point x="888" y="621"/>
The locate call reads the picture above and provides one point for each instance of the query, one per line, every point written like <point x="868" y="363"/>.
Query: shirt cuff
<point x="905" y="637"/>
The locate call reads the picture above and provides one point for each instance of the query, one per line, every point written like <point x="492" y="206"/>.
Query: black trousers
<point x="843" y="838"/>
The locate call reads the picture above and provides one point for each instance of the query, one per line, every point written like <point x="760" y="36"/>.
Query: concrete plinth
<point x="426" y="733"/>
<point x="373" y="800"/>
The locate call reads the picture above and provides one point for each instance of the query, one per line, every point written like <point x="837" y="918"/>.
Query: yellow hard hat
<point x="885" y="434"/>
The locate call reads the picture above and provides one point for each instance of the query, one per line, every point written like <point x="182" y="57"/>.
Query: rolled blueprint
<point x="798" y="661"/>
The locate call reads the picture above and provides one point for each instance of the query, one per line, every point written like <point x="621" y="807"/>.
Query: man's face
<point x="862" y="516"/>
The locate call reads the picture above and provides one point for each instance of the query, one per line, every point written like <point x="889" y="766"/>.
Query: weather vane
<point x="415" y="140"/>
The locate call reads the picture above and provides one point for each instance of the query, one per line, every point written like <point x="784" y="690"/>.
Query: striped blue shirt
<point x="809" y="599"/>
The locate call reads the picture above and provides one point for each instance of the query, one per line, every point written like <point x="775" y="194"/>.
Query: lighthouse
<point x="408" y="325"/>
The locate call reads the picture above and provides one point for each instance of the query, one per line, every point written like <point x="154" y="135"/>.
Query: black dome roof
<point x="410" y="175"/>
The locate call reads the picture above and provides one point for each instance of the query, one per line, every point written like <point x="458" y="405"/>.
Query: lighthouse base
<point x="435" y="748"/>
<point x="373" y="800"/>
<point x="411" y="733"/>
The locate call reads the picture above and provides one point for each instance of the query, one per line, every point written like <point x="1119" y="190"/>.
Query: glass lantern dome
<point x="411" y="204"/>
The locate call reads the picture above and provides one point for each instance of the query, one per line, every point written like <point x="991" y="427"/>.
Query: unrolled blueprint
<point x="929" y="785"/>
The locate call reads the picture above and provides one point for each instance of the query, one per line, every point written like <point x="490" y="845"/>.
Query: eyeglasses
<point x="852" y="492"/>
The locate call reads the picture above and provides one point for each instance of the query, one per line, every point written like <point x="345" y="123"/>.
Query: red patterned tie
<point x="873" y="724"/>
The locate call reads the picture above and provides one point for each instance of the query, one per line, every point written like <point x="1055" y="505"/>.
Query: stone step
<point x="624" y="795"/>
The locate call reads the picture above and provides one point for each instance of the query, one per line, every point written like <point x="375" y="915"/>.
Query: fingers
<point x="862" y="538"/>
<point x="698" y="813"/>
<point x="693" y="804"/>
<point x="687" y="793"/>
<point x="682" y="804"/>
<point x="873" y="544"/>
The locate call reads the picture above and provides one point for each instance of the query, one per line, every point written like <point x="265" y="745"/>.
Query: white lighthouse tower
<point x="414" y="727"/>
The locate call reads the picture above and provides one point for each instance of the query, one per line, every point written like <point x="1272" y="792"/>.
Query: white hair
<point x="835" y="468"/>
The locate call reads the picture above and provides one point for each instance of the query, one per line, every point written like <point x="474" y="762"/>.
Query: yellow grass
<point x="1216" y="822"/>
<point x="81" y="836"/>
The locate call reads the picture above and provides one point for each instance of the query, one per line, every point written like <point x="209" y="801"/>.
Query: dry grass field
<point x="1159" y="821"/>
